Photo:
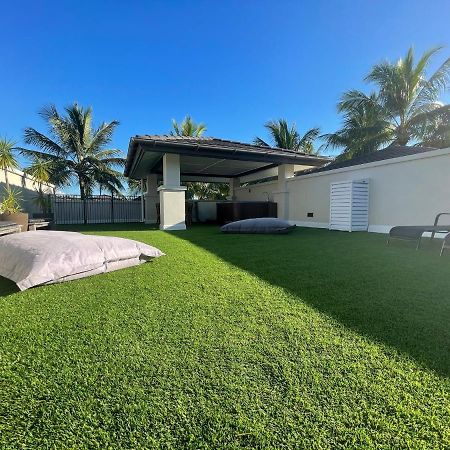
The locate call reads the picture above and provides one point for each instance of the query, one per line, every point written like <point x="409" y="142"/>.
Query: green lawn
<point x="316" y="339"/>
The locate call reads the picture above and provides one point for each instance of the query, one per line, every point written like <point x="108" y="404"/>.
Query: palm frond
<point x="432" y="88"/>
<point x="187" y="128"/>
<point x="259" y="141"/>
<point x="354" y="100"/>
<point x="306" y="142"/>
<point x="34" y="137"/>
<point x="8" y="159"/>
<point x="76" y="149"/>
<point x="102" y="135"/>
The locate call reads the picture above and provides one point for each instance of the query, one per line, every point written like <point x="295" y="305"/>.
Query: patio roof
<point x="208" y="156"/>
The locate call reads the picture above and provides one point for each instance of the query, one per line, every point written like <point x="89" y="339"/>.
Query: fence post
<point x="112" y="207"/>
<point x="52" y="203"/>
<point x="84" y="211"/>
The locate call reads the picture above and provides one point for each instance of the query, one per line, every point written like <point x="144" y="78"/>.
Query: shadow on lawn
<point x="7" y="287"/>
<point x="393" y="295"/>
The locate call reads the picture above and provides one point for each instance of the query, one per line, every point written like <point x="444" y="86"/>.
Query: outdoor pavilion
<point x="178" y="159"/>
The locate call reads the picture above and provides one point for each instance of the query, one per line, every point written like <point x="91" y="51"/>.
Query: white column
<point x="285" y="171"/>
<point x="172" y="195"/>
<point x="234" y="184"/>
<point x="151" y="198"/>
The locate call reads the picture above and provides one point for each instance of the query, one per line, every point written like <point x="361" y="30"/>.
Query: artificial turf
<point x="315" y="339"/>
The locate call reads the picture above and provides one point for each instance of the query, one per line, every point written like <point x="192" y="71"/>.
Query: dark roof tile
<point x="222" y="147"/>
<point x="208" y="141"/>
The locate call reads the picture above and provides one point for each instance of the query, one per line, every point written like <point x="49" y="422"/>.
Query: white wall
<point x="257" y="192"/>
<point x="25" y="184"/>
<point x="403" y="191"/>
<point x="272" y="172"/>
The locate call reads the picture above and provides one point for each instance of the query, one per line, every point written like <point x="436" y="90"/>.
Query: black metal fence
<point x="72" y="209"/>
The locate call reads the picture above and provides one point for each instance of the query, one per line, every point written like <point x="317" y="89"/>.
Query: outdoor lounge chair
<point x="415" y="232"/>
<point x="9" y="228"/>
<point x="35" y="224"/>
<point x="445" y="244"/>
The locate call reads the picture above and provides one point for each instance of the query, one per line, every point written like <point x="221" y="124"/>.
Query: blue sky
<point x="231" y="64"/>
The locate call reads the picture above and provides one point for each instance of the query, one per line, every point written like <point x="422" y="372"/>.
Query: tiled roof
<point x="218" y="148"/>
<point x="215" y="142"/>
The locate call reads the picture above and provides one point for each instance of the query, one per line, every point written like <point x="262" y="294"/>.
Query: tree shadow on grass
<point x="392" y="294"/>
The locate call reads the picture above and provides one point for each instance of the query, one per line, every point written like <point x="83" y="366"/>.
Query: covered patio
<point x="166" y="162"/>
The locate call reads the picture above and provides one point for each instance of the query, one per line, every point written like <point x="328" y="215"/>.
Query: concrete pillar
<point x="151" y="198"/>
<point x="285" y="171"/>
<point x="172" y="195"/>
<point x="234" y="184"/>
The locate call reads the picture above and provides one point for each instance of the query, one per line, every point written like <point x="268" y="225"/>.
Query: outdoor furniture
<point x="9" y="228"/>
<point x="262" y="225"/>
<point x="415" y="232"/>
<point x="45" y="257"/>
<point x="34" y="224"/>
<point x="445" y="244"/>
<point x="436" y="221"/>
<point x="232" y="211"/>
<point x="47" y="217"/>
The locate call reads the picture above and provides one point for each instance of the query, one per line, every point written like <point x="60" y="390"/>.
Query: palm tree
<point x="107" y="179"/>
<point x="76" y="149"/>
<point x="436" y="133"/>
<point x="207" y="191"/>
<point x="365" y="129"/>
<point x="287" y="137"/>
<point x="41" y="171"/>
<point x="187" y="128"/>
<point x="195" y="190"/>
<point x="405" y="108"/>
<point x="8" y="160"/>
<point x="136" y="187"/>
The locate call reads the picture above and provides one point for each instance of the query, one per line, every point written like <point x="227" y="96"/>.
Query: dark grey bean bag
<point x="263" y="225"/>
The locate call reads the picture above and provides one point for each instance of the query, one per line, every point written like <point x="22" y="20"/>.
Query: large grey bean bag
<point x="44" y="257"/>
<point x="262" y="225"/>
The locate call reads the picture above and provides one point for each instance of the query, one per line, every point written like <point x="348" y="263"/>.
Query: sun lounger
<point x="35" y="224"/>
<point x="445" y="244"/>
<point x="9" y="228"/>
<point x="415" y="232"/>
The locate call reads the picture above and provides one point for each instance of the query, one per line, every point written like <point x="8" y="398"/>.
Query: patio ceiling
<point x="208" y="157"/>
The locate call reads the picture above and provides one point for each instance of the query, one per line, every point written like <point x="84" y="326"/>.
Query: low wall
<point x="27" y="187"/>
<point x="408" y="190"/>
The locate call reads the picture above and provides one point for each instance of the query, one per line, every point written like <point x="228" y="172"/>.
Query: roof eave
<point x="271" y="155"/>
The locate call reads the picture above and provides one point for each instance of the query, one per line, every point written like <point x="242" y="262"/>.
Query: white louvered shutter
<point x="349" y="205"/>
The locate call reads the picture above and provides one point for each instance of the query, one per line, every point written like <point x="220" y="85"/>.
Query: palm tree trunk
<point x="83" y="198"/>
<point x="82" y="190"/>
<point x="6" y="179"/>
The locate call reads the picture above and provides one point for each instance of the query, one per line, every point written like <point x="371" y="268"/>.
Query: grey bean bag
<point x="44" y="257"/>
<point x="263" y="225"/>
